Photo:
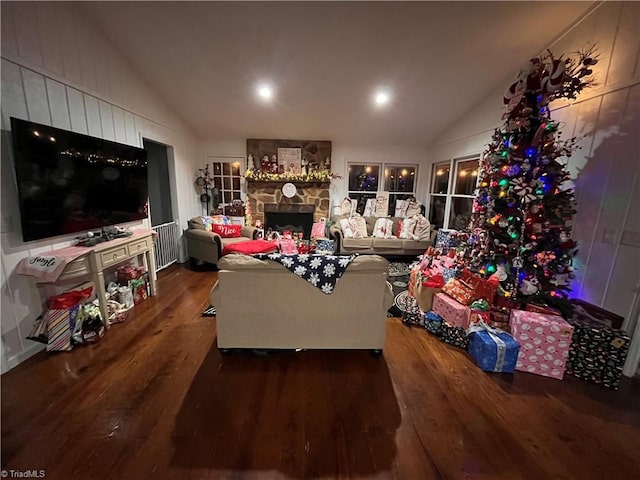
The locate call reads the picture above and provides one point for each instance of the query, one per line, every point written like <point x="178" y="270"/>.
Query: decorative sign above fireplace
<point x="288" y="160"/>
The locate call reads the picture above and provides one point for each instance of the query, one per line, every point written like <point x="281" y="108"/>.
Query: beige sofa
<point x="380" y="246"/>
<point x="207" y="246"/>
<point x="262" y="305"/>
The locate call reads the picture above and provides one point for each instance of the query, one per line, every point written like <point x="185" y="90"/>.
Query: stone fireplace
<point x="267" y="202"/>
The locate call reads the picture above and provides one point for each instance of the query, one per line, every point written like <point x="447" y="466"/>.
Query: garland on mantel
<point x="317" y="176"/>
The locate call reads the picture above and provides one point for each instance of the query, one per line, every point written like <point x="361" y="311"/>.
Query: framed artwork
<point x="290" y="159"/>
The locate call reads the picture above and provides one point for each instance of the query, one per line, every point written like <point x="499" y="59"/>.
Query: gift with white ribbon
<point x="493" y="350"/>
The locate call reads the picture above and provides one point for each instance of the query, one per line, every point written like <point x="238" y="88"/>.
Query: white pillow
<point x="345" y="226"/>
<point x="412" y="207"/>
<point x="401" y="209"/>
<point x="359" y="227"/>
<point x="422" y="228"/>
<point x="345" y="206"/>
<point x="383" y="228"/>
<point x="408" y="225"/>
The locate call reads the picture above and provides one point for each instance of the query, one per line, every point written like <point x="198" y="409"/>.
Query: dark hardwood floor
<point x="156" y="400"/>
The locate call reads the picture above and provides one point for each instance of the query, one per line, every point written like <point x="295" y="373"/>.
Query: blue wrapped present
<point x="433" y="323"/>
<point x="493" y="350"/>
<point x="446" y="239"/>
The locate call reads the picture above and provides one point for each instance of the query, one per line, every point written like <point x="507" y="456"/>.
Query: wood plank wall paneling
<point x="58" y="70"/>
<point x="76" y="111"/>
<point x="58" y="104"/>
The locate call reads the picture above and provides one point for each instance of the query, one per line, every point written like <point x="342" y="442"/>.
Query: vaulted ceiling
<point x="326" y="58"/>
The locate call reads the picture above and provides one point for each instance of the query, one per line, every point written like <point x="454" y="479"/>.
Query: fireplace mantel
<point x="297" y="183"/>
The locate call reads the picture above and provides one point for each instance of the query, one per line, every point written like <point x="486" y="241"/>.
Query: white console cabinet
<point x="109" y="254"/>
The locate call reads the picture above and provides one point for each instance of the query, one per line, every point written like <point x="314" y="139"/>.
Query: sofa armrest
<point x="249" y="231"/>
<point x="203" y="245"/>
<point x="202" y="236"/>
<point x="335" y="233"/>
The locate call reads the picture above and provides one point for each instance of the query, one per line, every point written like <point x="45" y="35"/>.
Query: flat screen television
<point x="69" y="182"/>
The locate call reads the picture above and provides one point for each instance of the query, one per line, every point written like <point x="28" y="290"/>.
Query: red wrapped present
<point x="478" y="316"/>
<point x="459" y="290"/>
<point x="482" y="288"/>
<point x="127" y="272"/>
<point x="506" y="303"/>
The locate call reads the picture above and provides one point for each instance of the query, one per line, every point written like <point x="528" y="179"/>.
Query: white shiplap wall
<point x="59" y="70"/>
<point x="607" y="168"/>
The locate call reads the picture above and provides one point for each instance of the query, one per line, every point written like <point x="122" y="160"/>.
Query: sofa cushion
<point x="357" y="243"/>
<point x="416" y="244"/>
<point x="387" y="243"/>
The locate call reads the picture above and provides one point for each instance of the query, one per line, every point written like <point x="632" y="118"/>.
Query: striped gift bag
<point x="60" y="325"/>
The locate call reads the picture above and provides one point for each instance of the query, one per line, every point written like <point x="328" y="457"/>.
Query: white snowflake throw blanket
<point x="322" y="271"/>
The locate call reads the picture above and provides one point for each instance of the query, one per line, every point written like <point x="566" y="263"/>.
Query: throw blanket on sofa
<point x="322" y="271"/>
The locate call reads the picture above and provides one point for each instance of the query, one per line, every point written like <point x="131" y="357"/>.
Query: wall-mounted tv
<point x="69" y="182"/>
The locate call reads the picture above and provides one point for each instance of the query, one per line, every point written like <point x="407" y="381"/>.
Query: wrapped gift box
<point x="477" y="316"/>
<point x="499" y="319"/>
<point x="493" y="350"/>
<point x="127" y="272"/>
<point x="544" y="342"/>
<point x="452" y="311"/>
<point x="597" y="352"/>
<point x="609" y="319"/>
<point x="481" y="287"/>
<point x="459" y="290"/>
<point x="446" y="239"/>
<point x="412" y="317"/>
<point x="433" y="323"/>
<point x="453" y="335"/>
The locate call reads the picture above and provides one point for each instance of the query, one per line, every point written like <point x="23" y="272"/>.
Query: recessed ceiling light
<point x="381" y="97"/>
<point x="265" y="91"/>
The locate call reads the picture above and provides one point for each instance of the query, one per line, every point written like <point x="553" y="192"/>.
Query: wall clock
<point x="289" y="190"/>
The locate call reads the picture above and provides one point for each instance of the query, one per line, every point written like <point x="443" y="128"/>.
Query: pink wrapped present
<point x="544" y="342"/>
<point x="451" y="310"/>
<point x="288" y="246"/>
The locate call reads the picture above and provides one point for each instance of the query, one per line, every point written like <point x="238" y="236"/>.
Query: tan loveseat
<point x="262" y="305"/>
<point x="380" y="246"/>
<point x="207" y="246"/>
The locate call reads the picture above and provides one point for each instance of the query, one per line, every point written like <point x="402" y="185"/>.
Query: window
<point x="365" y="183"/>
<point x="227" y="178"/>
<point x="453" y="184"/>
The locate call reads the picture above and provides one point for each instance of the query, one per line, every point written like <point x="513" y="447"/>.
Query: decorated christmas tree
<point x="521" y="224"/>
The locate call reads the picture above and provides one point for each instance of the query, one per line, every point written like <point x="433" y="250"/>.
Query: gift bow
<point x="501" y="347"/>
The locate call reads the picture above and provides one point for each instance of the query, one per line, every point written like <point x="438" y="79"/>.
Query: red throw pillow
<point x="227" y="231"/>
